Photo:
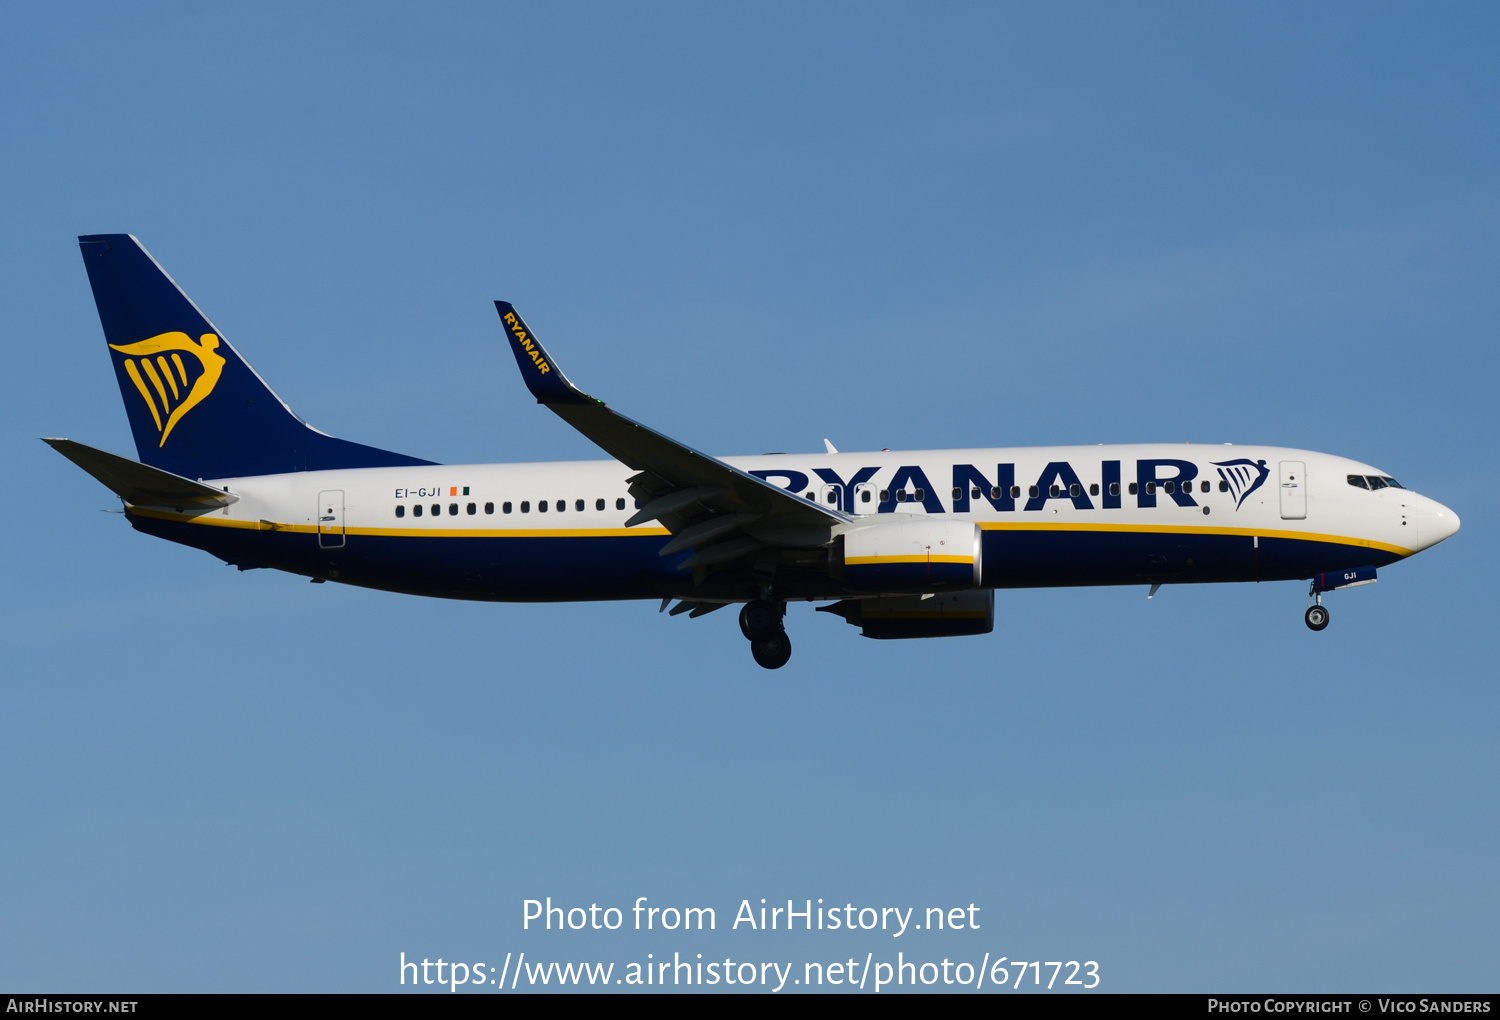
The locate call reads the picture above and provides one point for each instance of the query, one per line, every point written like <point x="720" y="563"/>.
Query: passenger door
<point x="331" y="519"/>
<point x="1293" y="490"/>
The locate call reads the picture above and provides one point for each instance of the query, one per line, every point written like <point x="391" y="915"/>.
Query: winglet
<point x="540" y="372"/>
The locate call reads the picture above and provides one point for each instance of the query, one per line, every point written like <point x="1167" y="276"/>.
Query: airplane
<point x="903" y="544"/>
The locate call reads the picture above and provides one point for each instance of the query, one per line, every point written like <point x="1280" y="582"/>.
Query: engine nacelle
<point x="919" y="554"/>
<point x="912" y="616"/>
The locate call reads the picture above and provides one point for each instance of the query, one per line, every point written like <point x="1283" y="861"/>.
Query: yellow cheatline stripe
<point x="1302" y="536"/>
<point x="140" y="384"/>
<point x="1184" y="529"/>
<point x="166" y="371"/>
<point x="506" y="532"/>
<point x="313" y="529"/>
<point x="862" y="561"/>
<point x="155" y="381"/>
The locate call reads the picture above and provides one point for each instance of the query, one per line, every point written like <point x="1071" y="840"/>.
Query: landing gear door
<point x="1293" y="490"/>
<point x="331" y="519"/>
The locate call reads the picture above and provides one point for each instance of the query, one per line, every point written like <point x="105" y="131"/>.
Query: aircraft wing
<point x="141" y="484"/>
<point x="700" y="499"/>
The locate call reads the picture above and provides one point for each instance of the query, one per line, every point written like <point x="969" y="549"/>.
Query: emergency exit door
<point x="331" y="519"/>
<point x="1293" y="490"/>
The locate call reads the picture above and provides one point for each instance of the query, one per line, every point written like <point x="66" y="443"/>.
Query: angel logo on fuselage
<point x="1243" y="476"/>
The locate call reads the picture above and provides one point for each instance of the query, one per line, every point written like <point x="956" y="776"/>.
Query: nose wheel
<point x="1316" y="616"/>
<point x="761" y="623"/>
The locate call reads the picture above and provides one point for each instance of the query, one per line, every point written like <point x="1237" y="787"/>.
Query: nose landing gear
<point x="761" y="623"/>
<point x="1316" y="617"/>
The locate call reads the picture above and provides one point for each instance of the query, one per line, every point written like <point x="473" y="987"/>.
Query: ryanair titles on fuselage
<point x="1112" y="486"/>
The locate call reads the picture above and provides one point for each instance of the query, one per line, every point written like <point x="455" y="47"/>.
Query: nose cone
<point x="1435" y="522"/>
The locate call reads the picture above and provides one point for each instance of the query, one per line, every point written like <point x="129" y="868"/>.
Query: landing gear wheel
<point x="1317" y="617"/>
<point x="772" y="652"/>
<point x="759" y="619"/>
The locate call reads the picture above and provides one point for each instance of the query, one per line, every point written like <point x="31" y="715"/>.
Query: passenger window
<point x="1055" y="491"/>
<point x="1150" y="488"/>
<point x="400" y="511"/>
<point x="958" y="494"/>
<point x="1114" y="488"/>
<point x="525" y="506"/>
<point x="1376" y="482"/>
<point x="833" y="497"/>
<point x="809" y="495"/>
<point x="1032" y="492"/>
<point x="885" y="495"/>
<point x="864" y="496"/>
<point x="975" y="493"/>
<point x="1094" y="489"/>
<point x="1075" y="490"/>
<point x="541" y="506"/>
<point x="473" y="509"/>
<point x="1133" y="488"/>
<point x="489" y="508"/>
<point x="900" y="495"/>
<point x="620" y="504"/>
<point x="452" y="509"/>
<point x="598" y="504"/>
<point x="1223" y="486"/>
<point x="416" y="511"/>
<point x="1015" y="492"/>
<point x="437" y="510"/>
<point x="1203" y="486"/>
<point x="996" y="492"/>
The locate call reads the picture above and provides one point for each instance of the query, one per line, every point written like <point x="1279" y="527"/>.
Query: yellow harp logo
<point x="159" y="360"/>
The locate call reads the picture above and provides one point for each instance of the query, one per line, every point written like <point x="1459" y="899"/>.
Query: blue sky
<point x="752" y="228"/>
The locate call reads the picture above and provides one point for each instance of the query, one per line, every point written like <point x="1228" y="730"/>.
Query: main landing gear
<point x="761" y="622"/>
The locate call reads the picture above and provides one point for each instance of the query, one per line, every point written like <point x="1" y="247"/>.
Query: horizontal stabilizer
<point x="141" y="484"/>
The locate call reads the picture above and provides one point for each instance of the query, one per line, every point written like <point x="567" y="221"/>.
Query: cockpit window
<point x="1387" y="479"/>
<point x="1358" y="481"/>
<point x="1376" y="482"/>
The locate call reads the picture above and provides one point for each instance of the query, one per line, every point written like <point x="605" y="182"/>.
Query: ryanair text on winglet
<point x="526" y="343"/>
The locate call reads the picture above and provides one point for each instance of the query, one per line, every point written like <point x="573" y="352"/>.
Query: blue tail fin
<point x="196" y="407"/>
